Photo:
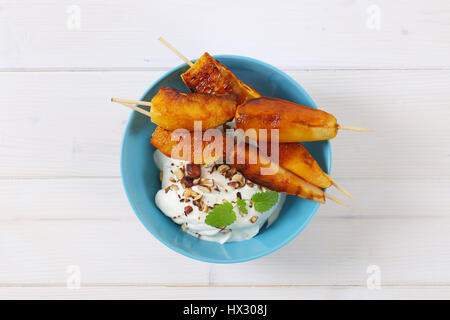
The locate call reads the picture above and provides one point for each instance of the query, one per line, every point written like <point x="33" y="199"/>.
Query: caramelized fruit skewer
<point x="297" y="159"/>
<point x="161" y="140"/>
<point x="295" y="123"/>
<point x="207" y="75"/>
<point x="172" y="109"/>
<point x="280" y="180"/>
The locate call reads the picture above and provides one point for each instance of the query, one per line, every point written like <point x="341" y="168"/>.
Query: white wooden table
<point x="384" y="65"/>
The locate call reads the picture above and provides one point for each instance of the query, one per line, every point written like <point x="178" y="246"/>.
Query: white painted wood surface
<point x="61" y="199"/>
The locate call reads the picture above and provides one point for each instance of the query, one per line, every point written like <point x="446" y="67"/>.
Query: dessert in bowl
<point x="165" y="204"/>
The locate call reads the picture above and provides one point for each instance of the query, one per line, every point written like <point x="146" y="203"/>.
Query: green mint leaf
<point x="221" y="216"/>
<point x="265" y="200"/>
<point x="242" y="205"/>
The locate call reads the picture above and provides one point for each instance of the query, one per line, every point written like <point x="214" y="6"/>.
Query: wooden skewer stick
<point x="134" y="107"/>
<point x="178" y="53"/>
<point x="352" y="128"/>
<point x="132" y="104"/>
<point x="189" y="62"/>
<point x="329" y="196"/>
<point x="340" y="188"/>
<point x="142" y="103"/>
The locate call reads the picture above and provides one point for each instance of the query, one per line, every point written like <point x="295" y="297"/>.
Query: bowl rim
<point x="328" y="155"/>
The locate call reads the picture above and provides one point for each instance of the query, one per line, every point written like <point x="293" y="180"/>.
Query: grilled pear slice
<point x="170" y="143"/>
<point x="295" y="123"/>
<point x="207" y="75"/>
<point x="280" y="179"/>
<point x="172" y="109"/>
<point x="297" y="159"/>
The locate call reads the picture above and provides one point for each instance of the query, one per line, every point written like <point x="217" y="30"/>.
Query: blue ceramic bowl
<point x="141" y="181"/>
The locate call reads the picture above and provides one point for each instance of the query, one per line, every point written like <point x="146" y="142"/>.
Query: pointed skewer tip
<point x="329" y="196"/>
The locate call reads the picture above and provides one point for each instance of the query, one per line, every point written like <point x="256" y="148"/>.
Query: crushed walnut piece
<point x="193" y="171"/>
<point x="204" y="189"/>
<point x="187" y="210"/>
<point x="207" y="182"/>
<point x="190" y="193"/>
<point x="172" y="187"/>
<point x="187" y="182"/>
<point x="223" y="168"/>
<point x="179" y="173"/>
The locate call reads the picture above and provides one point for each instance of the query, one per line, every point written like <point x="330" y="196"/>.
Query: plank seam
<point x="158" y="285"/>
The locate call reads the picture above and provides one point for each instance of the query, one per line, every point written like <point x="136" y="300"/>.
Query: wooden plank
<point x="413" y="251"/>
<point x="50" y="129"/>
<point x="67" y="199"/>
<point x="63" y="124"/>
<point x="337" y="34"/>
<point x="179" y="293"/>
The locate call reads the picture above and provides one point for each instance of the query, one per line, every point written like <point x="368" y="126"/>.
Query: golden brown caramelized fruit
<point x="207" y="75"/>
<point x="296" y="158"/>
<point x="172" y="109"/>
<point x="296" y="123"/>
<point x="162" y="140"/>
<point x="281" y="180"/>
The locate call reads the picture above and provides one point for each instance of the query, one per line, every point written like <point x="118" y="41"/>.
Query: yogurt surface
<point x="190" y="206"/>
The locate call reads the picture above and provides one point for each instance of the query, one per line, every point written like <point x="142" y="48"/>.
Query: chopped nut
<point x="187" y="182"/>
<point x="198" y="197"/>
<point x="239" y="178"/>
<point x="173" y="187"/>
<point x="207" y="182"/>
<point x="234" y="184"/>
<point x="171" y="179"/>
<point x="230" y="173"/>
<point x="179" y="173"/>
<point x="184" y="226"/>
<point x="223" y="168"/>
<point x="250" y="184"/>
<point x="253" y="219"/>
<point x="206" y="209"/>
<point x="198" y="203"/>
<point x="190" y="193"/>
<point x="187" y="210"/>
<point x="193" y="171"/>
<point x="204" y="188"/>
<point x="196" y="181"/>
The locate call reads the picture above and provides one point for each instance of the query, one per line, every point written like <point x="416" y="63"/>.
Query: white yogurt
<point x="170" y="202"/>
